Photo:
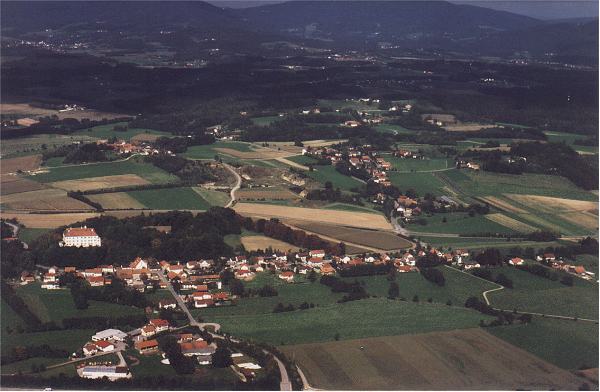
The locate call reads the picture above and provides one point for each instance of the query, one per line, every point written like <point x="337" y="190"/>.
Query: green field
<point x="10" y="148"/>
<point x="459" y="223"/>
<point x="567" y="344"/>
<point x="536" y="294"/>
<point x="479" y="243"/>
<point x="264" y="121"/>
<point x="55" y="305"/>
<point x="328" y="173"/>
<point x="170" y="199"/>
<point x="491" y="184"/>
<point x="422" y="183"/>
<point x="69" y="339"/>
<point x="134" y="165"/>
<point x="351" y="320"/>
<point x="394" y="129"/>
<point x="10" y="318"/>
<point x="212" y="197"/>
<point x="106" y="132"/>
<point x="418" y="165"/>
<point x="570" y="138"/>
<point x="303" y="159"/>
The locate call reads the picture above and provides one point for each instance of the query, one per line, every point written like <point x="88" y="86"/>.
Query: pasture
<point x="213" y="197"/>
<point x="351" y="320"/>
<point x="208" y="151"/>
<point x="86" y="184"/>
<point x="116" y="200"/>
<point x="453" y="360"/>
<point x="422" y="183"/>
<point x="134" y="165"/>
<point x="70" y="340"/>
<point x="261" y="242"/>
<point x="55" y="305"/>
<point x="564" y="343"/>
<point x="353" y="219"/>
<point x="459" y="223"/>
<point x="326" y="173"/>
<point x="183" y="198"/>
<point x="418" y="165"/>
<point x="511" y="223"/>
<point x="536" y="294"/>
<point x="107" y="131"/>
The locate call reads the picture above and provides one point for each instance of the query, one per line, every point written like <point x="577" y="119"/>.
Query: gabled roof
<point x="79" y="232"/>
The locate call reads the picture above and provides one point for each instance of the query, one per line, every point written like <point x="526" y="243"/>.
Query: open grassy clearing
<point x="567" y="344"/>
<point x="536" y="294"/>
<point x="323" y="174"/>
<point x="264" y="121"/>
<point x="452" y="360"/>
<point x="422" y="183"/>
<point x="378" y="317"/>
<point x="116" y="200"/>
<point x="493" y="184"/>
<point x="107" y="132"/>
<point x="103" y="182"/>
<point x="353" y="219"/>
<point x="148" y="365"/>
<point x="256" y="242"/>
<point x="460" y="223"/>
<point x="134" y="165"/>
<point x="55" y="305"/>
<point x="10" y="319"/>
<point x="170" y="199"/>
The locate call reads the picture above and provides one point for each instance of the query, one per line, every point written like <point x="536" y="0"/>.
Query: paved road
<point x="237" y="185"/>
<point x="285" y="384"/>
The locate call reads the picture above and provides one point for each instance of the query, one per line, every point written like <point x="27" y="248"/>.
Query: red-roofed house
<point x="160" y="324"/>
<point x="288" y="276"/>
<point x="516" y="261"/>
<point x="80" y="237"/>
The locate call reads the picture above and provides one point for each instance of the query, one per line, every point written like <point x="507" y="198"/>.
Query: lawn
<point x="27" y="235"/>
<point x="55" y="305"/>
<point x="323" y="174"/>
<point x="536" y="294"/>
<point x="567" y="344"/>
<point x="422" y="183"/>
<point x="106" y="132"/>
<point x="134" y="165"/>
<point x="459" y="223"/>
<point x="351" y="320"/>
<point x="170" y="199"/>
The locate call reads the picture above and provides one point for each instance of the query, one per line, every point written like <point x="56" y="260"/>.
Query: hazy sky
<point x="542" y="9"/>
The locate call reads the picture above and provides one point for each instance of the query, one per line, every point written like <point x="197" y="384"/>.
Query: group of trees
<point x="433" y="275"/>
<point x="180" y="144"/>
<point x="486" y="274"/>
<point x="502" y="317"/>
<point x="365" y="270"/>
<point x="354" y="290"/>
<point x="190" y="172"/>
<point x="182" y="364"/>
<point x="116" y="292"/>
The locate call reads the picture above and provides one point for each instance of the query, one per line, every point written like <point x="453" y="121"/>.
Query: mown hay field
<point x="342" y="218"/>
<point x="103" y="182"/>
<point x="454" y="360"/>
<point x="256" y="242"/>
<point x="371" y="238"/>
<point x="553" y="204"/>
<point x="511" y="223"/>
<point x="26" y="163"/>
<point x="116" y="200"/>
<point x="48" y="221"/>
<point x="10" y="184"/>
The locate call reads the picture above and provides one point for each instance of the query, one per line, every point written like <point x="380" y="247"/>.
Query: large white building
<point x="110" y="372"/>
<point x="80" y="237"/>
<point x="109" y="334"/>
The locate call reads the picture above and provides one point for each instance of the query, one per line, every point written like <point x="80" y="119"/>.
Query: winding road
<point x="237" y="185"/>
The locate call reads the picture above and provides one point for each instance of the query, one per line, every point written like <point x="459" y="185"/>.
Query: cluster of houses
<point x="558" y="263"/>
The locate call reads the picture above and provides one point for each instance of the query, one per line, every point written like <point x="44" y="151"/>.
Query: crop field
<point x="460" y="223"/>
<point x="26" y="163"/>
<point x="323" y="174"/>
<point x="48" y="221"/>
<point x="347" y="218"/>
<point x="10" y="184"/>
<point x="254" y="153"/>
<point x="256" y="242"/>
<point x="213" y="197"/>
<point x="116" y="200"/>
<point x="511" y="223"/>
<point x="131" y="134"/>
<point x="453" y="360"/>
<point x="553" y="204"/>
<point x="86" y="184"/>
<point x="55" y="305"/>
<point x="564" y="343"/>
<point x="44" y="200"/>
<point x="536" y="294"/>
<point x="494" y="184"/>
<point x="350" y="207"/>
<point x="378" y="317"/>
<point x="422" y="183"/>
<point x="170" y="199"/>
<point x="266" y="193"/>
<point x="132" y="166"/>
<point x="503" y="205"/>
<point x="371" y="238"/>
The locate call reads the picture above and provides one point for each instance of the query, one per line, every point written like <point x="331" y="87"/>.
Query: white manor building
<point x="80" y="237"/>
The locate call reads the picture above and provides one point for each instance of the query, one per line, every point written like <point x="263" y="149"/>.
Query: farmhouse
<point x="516" y="261"/>
<point x="288" y="276"/>
<point x="147" y="346"/>
<point x="109" y="334"/>
<point x="80" y="237"/>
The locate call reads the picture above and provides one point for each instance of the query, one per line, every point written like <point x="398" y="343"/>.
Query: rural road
<point x="285" y="384"/>
<point x="237" y="185"/>
<point x="16" y="229"/>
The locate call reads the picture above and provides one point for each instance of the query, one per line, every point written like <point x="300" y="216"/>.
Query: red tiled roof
<point x="146" y="344"/>
<point x="79" y="232"/>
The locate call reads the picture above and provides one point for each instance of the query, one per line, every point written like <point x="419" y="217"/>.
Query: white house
<point x="109" y="334"/>
<point x="80" y="237"/>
